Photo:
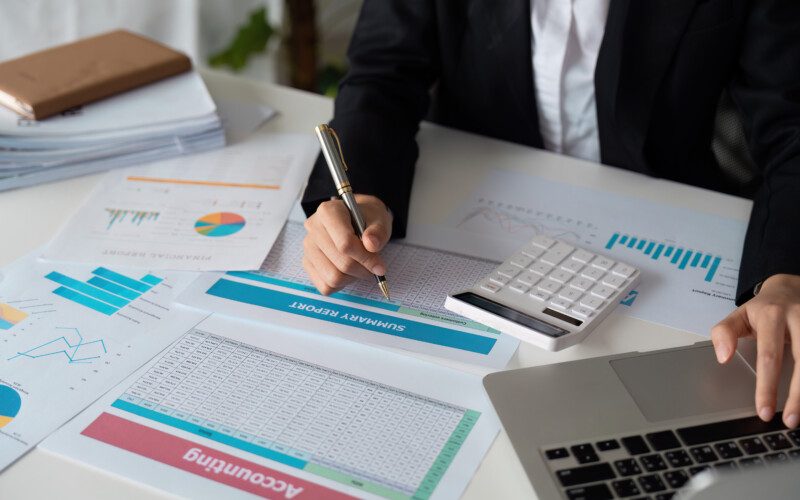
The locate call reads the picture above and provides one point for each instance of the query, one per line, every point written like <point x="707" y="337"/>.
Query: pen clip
<point x="339" y="146"/>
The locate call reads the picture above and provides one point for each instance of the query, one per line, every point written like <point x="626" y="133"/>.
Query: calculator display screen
<point x="511" y="314"/>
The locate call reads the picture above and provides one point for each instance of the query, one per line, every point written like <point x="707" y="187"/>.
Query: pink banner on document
<point x="203" y="461"/>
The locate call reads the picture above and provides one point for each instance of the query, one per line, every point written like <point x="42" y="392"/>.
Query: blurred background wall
<point x="201" y="28"/>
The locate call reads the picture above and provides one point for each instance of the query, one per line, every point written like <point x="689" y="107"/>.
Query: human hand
<point x="773" y="317"/>
<point x="333" y="255"/>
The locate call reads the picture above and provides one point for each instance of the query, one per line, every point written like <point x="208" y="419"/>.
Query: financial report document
<point x="69" y="333"/>
<point x="415" y="319"/>
<point x="220" y="210"/>
<point x="308" y="417"/>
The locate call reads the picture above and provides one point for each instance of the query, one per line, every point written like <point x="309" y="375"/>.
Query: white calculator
<point x="550" y="293"/>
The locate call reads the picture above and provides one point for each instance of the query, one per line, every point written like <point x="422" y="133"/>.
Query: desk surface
<point x="448" y="158"/>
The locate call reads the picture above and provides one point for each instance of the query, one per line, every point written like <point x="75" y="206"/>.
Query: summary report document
<point x="414" y="320"/>
<point x="236" y="408"/>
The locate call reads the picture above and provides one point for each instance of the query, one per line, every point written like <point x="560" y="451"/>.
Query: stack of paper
<point x="161" y="120"/>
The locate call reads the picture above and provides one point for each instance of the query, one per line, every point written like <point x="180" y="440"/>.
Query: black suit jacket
<point x="662" y="67"/>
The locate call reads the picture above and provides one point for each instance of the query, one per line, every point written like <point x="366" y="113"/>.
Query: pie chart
<point x="219" y="224"/>
<point x="9" y="404"/>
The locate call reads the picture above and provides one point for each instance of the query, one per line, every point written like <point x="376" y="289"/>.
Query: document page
<point x="689" y="260"/>
<point x="285" y="414"/>
<point x="70" y="334"/>
<point x="220" y="210"/>
<point x="414" y="320"/>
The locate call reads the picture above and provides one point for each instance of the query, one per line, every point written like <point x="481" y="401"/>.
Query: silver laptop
<point x="639" y="424"/>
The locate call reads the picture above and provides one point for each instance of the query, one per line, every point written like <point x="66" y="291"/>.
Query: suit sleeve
<point x="381" y="101"/>
<point x="767" y="91"/>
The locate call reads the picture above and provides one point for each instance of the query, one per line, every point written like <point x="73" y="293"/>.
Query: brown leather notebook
<point x="48" y="82"/>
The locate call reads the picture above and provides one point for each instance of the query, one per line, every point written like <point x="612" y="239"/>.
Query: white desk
<point x="449" y="159"/>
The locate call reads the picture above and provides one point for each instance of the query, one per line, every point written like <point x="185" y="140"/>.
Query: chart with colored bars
<point x="676" y="255"/>
<point x="10" y="403"/>
<point x="69" y="346"/>
<point x="117" y="216"/>
<point x="219" y="224"/>
<point x="105" y="292"/>
<point x="10" y="316"/>
<point x="379" y="439"/>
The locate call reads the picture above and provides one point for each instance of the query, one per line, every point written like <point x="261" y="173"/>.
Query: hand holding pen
<point x="334" y="255"/>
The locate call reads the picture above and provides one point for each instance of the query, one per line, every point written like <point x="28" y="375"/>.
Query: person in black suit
<point x="660" y="71"/>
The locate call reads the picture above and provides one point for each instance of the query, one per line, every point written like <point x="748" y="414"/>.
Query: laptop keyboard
<point x="656" y="465"/>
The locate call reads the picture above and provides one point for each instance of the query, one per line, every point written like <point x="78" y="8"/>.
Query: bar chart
<point x="675" y="255"/>
<point x="118" y="216"/>
<point x="105" y="292"/>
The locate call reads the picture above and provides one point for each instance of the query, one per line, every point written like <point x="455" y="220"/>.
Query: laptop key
<point x="750" y="462"/>
<point x="678" y="458"/>
<point x="753" y="446"/>
<point x="627" y="467"/>
<point x="556" y="453"/>
<point x="651" y="483"/>
<point x="584" y="453"/>
<point x="776" y="458"/>
<point x="585" y="474"/>
<point x="676" y="478"/>
<point x="795" y="436"/>
<point x="728" y="449"/>
<point x="608" y="445"/>
<point x="794" y="454"/>
<point x="665" y="496"/>
<point x="726" y="465"/>
<point x="777" y="441"/>
<point x="664" y="440"/>
<point x="626" y="488"/>
<point x="595" y="491"/>
<point x="704" y="454"/>
<point x="653" y="463"/>
<point x="693" y="471"/>
<point x="635" y="445"/>
<point x="728" y="430"/>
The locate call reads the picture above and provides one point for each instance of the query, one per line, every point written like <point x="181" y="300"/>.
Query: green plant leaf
<point x="251" y="39"/>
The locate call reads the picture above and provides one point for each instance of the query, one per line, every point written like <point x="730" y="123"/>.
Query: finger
<point x="319" y="284"/>
<point x="724" y="335"/>
<point x="330" y="275"/>
<point x="335" y="218"/>
<point x="791" y="411"/>
<point x="342" y="262"/>
<point x="377" y="235"/>
<point x="770" y="334"/>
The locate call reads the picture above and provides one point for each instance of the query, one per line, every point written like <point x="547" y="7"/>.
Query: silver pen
<point x="332" y="151"/>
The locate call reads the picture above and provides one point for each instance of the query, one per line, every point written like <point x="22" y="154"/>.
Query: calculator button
<point x="520" y="261"/>
<point x="541" y="268"/>
<point x="543" y="241"/>
<point x="570" y="294"/>
<point x="603" y="291"/>
<point x="592" y="273"/>
<point x="549" y="286"/>
<point x="519" y="287"/>
<point x="533" y="251"/>
<point x="593" y="303"/>
<point x="581" y="284"/>
<point x="559" y="303"/>
<point x="491" y="287"/>
<point x="623" y="270"/>
<point x="556" y="254"/>
<point x="583" y="256"/>
<point x="539" y="295"/>
<point x="500" y="279"/>
<point x="572" y="266"/>
<point x="528" y="278"/>
<point x="613" y="281"/>
<point x="582" y="312"/>
<point x="508" y="271"/>
<point x="603" y="263"/>
<point x="560" y="275"/>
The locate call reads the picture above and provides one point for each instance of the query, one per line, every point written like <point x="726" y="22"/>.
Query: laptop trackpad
<point x="685" y="383"/>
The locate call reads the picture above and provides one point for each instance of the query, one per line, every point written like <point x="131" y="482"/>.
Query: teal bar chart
<point x="105" y="292"/>
<point x="682" y="258"/>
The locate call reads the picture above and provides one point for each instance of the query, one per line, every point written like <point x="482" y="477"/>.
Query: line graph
<point x="75" y="351"/>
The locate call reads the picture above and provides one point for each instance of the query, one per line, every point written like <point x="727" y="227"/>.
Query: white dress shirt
<point x="566" y="40"/>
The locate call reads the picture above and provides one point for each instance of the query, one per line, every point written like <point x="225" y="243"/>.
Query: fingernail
<point x="765" y="413"/>
<point x="379" y="270"/>
<point x="792" y="420"/>
<point x="722" y="353"/>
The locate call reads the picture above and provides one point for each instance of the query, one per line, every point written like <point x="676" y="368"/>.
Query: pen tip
<point x="384" y="289"/>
